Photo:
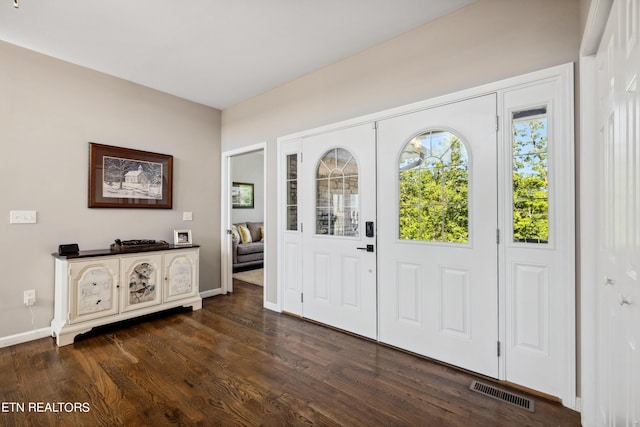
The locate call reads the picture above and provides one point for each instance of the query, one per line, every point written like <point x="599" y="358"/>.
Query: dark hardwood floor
<point x="235" y="363"/>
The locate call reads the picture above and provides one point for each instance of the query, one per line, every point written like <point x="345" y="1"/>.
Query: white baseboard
<point x="36" y="334"/>
<point x="211" y="293"/>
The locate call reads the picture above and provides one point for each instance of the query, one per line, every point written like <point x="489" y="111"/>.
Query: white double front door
<point x="419" y="271"/>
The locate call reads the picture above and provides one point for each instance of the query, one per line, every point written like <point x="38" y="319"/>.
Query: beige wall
<point x="49" y="111"/>
<point x="487" y="41"/>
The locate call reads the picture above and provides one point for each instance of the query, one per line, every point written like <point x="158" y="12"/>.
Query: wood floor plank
<point x="233" y="363"/>
<point x="251" y="388"/>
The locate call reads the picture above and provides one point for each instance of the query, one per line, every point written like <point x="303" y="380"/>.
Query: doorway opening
<point x="244" y="213"/>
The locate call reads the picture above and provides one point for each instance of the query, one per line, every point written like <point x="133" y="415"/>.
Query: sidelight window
<point x="337" y="203"/>
<point x="292" y="192"/>
<point x="530" y="176"/>
<point x="434" y="189"/>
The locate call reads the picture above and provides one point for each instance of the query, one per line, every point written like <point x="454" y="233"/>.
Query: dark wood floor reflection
<point x="235" y="363"/>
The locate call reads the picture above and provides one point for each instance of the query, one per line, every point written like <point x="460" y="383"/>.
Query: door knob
<point x="369" y="248"/>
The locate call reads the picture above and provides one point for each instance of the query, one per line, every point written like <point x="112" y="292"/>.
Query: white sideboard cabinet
<point x="95" y="288"/>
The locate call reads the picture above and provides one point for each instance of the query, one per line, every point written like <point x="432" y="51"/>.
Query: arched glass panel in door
<point x="337" y="203"/>
<point x="434" y="189"/>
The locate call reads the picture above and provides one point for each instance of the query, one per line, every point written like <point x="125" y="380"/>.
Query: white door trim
<point x="588" y="239"/>
<point x="588" y="253"/>
<point x="226" y="270"/>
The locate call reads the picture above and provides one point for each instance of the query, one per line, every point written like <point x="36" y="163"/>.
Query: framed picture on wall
<point x="126" y="178"/>
<point x="242" y="195"/>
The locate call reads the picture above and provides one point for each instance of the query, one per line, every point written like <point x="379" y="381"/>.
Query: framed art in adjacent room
<point x="127" y="178"/>
<point x="242" y="195"/>
<point x="182" y="238"/>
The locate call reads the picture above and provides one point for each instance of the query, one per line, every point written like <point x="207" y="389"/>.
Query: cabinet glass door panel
<point x="95" y="286"/>
<point x="141" y="281"/>
<point x="180" y="275"/>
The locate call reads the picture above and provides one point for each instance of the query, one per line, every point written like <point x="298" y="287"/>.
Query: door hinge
<point x="301" y="157"/>
<point x="497" y="235"/>
<point x="301" y="297"/>
<point x="498" y="348"/>
<point x="497" y="123"/>
<point x="375" y="125"/>
<point x="301" y="227"/>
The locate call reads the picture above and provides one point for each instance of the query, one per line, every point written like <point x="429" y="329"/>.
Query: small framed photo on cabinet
<point x="182" y="238"/>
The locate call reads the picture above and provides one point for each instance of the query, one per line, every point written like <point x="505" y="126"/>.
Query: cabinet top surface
<point x="106" y="252"/>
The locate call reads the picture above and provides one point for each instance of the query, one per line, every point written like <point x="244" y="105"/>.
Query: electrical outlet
<point x="30" y="297"/>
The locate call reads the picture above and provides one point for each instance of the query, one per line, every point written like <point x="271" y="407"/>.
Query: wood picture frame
<point x="242" y="195"/>
<point x="127" y="178"/>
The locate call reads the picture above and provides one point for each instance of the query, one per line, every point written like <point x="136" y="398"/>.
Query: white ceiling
<point x="214" y="52"/>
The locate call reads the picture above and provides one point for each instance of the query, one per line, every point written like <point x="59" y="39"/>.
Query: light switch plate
<point x="23" y="217"/>
<point x="187" y="216"/>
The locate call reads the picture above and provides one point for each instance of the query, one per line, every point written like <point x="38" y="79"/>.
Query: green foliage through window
<point x="530" y="183"/>
<point x="434" y="187"/>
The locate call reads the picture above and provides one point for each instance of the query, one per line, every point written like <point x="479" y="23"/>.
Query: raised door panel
<point x="531" y="305"/>
<point x="409" y="293"/>
<point x="180" y="275"/>
<point x="351" y="282"/>
<point x="291" y="277"/>
<point x="321" y="277"/>
<point x="141" y="281"/>
<point x="94" y="289"/>
<point x="455" y="304"/>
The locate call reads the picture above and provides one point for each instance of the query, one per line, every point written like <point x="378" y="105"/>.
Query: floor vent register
<point x="503" y="395"/>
